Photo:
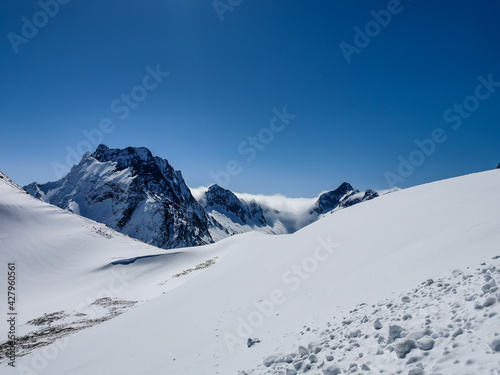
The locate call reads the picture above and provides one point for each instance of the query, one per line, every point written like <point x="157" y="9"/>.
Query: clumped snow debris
<point x="443" y="327"/>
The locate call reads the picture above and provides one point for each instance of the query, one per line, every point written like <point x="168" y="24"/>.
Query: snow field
<point x="384" y="248"/>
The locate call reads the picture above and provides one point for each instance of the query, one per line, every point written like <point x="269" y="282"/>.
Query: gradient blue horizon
<point x="227" y="79"/>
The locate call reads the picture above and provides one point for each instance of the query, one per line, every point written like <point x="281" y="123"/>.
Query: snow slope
<point x="443" y="326"/>
<point x="269" y="288"/>
<point x="65" y="262"/>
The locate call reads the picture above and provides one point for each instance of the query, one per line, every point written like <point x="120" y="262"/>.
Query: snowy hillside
<point x="73" y="269"/>
<point x="356" y="285"/>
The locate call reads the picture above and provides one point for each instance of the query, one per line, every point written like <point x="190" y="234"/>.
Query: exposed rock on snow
<point x="8" y="181"/>
<point x="55" y="326"/>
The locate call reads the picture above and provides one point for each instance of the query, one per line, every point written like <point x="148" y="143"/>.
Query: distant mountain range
<point x="141" y="195"/>
<point x="238" y="215"/>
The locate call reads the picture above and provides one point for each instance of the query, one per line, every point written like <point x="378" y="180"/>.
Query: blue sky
<point x="355" y="121"/>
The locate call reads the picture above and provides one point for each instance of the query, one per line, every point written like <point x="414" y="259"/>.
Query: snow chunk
<point x="270" y="360"/>
<point x="425" y="343"/>
<point x="495" y="345"/>
<point x="332" y="370"/>
<point x="403" y="347"/>
<point x="303" y="351"/>
<point x="394" y="332"/>
<point x="416" y="371"/>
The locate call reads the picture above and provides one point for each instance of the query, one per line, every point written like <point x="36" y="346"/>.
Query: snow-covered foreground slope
<point x="444" y="326"/>
<point x="270" y="288"/>
<point x="78" y="269"/>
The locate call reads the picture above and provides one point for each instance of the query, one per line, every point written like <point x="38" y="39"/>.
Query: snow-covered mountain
<point x="231" y="215"/>
<point x="415" y="294"/>
<point x="342" y="197"/>
<point x="240" y="213"/>
<point x="133" y="192"/>
<point x="142" y="196"/>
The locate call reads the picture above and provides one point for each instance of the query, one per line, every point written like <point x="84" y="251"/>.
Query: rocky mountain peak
<point x="330" y="200"/>
<point x="134" y="192"/>
<point x="124" y="157"/>
<point x="223" y="200"/>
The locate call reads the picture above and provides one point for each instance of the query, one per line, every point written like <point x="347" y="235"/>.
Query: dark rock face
<point x="344" y="196"/>
<point x="225" y="201"/>
<point x="332" y="199"/>
<point x="133" y="192"/>
<point x="351" y="201"/>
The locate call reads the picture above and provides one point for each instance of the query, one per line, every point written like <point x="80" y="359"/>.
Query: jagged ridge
<point x="133" y="192"/>
<point x="143" y="196"/>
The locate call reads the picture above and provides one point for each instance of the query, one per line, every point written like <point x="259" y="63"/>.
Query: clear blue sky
<point x="353" y="122"/>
